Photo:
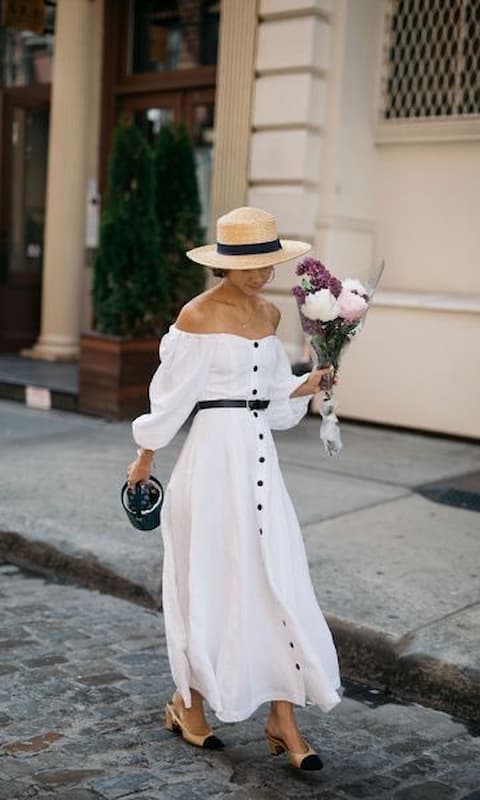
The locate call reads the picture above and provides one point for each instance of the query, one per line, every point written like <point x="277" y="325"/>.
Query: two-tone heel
<point x="310" y="760"/>
<point x="174" y="723"/>
<point x="276" y="745"/>
<point x="170" y="723"/>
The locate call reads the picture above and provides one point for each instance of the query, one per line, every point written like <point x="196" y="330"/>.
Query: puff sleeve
<point x="285" y="411"/>
<point x="175" y="387"/>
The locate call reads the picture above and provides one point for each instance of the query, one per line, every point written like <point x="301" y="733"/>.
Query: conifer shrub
<point x="178" y="212"/>
<point x="130" y="295"/>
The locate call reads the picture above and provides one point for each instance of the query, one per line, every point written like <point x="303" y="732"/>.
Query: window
<point x="431" y="58"/>
<point x="26" y="57"/>
<point x="173" y="34"/>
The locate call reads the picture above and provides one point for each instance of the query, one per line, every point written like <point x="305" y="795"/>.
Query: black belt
<point x="227" y="403"/>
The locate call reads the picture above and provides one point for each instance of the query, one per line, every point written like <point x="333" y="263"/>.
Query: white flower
<point x="352" y="285"/>
<point x="320" y="305"/>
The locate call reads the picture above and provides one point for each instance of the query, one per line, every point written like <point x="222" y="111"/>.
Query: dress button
<point x="291" y="644"/>
<point x="261" y="459"/>
<point x="283" y="622"/>
<point x="255" y="368"/>
<point x="297" y="666"/>
<point x="255" y="344"/>
<point x="254" y="391"/>
<point x="260" y="435"/>
<point x="260" y="530"/>
<point x="255" y="413"/>
<point x="259" y="483"/>
<point x="259" y="507"/>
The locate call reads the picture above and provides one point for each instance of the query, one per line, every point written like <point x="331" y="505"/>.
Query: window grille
<point x="431" y="59"/>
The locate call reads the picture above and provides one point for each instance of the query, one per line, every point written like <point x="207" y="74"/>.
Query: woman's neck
<point x="229" y="293"/>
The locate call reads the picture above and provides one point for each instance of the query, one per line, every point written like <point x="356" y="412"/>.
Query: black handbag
<point x="143" y="503"/>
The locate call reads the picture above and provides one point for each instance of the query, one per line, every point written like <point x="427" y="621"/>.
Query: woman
<point x="242" y="623"/>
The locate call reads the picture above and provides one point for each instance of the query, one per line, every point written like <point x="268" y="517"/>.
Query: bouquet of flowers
<point x="332" y="312"/>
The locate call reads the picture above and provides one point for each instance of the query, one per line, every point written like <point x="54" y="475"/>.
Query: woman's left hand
<point x="312" y="384"/>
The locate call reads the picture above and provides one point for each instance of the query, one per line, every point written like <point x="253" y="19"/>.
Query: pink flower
<point x="350" y="306"/>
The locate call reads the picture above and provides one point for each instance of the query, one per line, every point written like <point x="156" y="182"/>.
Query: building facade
<point x="356" y="122"/>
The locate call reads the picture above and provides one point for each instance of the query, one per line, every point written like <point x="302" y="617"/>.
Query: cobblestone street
<point x="84" y="678"/>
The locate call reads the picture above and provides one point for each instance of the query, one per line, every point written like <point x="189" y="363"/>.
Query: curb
<point x="371" y="656"/>
<point x="82" y="570"/>
<point x="57" y="399"/>
<point x="366" y="655"/>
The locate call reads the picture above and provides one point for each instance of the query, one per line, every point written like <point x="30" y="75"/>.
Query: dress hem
<point x="239" y="716"/>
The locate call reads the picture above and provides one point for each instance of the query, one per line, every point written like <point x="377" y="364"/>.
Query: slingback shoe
<point x="175" y="724"/>
<point x="309" y="760"/>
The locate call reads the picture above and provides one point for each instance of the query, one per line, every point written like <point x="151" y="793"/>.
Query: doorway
<point x="22" y="215"/>
<point x="162" y="68"/>
<point x="195" y="108"/>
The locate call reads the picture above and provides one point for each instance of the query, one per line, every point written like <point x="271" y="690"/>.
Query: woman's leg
<point x="194" y="717"/>
<point x="281" y="722"/>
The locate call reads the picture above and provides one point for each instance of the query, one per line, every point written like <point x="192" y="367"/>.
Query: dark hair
<point x="219" y="272"/>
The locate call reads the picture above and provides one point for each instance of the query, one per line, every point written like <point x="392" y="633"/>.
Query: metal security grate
<point x="431" y="59"/>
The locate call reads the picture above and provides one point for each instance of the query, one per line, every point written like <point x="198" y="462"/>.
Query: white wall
<point x="417" y="361"/>
<point x="318" y="162"/>
<point x="428" y="215"/>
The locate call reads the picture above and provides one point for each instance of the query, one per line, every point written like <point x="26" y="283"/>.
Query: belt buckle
<point x="254" y="404"/>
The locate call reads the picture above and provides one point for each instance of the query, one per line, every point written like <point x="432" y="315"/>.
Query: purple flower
<point x="335" y="286"/>
<point x="299" y="294"/>
<point x="311" y="267"/>
<point x="308" y="325"/>
<point x="318" y="275"/>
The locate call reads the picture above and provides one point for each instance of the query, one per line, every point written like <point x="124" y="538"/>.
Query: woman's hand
<point x="139" y="470"/>
<point x="312" y="384"/>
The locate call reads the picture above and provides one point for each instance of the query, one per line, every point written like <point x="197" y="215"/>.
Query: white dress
<point x="242" y="622"/>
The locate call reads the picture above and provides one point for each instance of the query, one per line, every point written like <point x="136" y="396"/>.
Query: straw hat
<point x="247" y="238"/>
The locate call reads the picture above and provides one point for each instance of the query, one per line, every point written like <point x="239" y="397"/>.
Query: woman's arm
<point x="173" y="391"/>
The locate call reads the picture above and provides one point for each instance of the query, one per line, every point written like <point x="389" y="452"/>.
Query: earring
<point x="272" y="275"/>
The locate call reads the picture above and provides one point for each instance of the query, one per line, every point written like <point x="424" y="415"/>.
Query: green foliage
<point x="178" y="213"/>
<point x="129" y="292"/>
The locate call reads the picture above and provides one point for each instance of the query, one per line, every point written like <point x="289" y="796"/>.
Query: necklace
<point x="244" y="324"/>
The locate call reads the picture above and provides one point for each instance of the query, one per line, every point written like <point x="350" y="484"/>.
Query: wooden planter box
<point x="114" y="375"/>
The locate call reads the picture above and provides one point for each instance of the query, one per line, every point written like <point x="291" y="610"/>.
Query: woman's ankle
<point x="282" y="711"/>
<point x="196" y="701"/>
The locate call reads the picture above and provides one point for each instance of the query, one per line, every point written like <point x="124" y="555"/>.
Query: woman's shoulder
<point x="181" y="336"/>
<point x="273" y="313"/>
<point x="201" y="313"/>
<point x="197" y="315"/>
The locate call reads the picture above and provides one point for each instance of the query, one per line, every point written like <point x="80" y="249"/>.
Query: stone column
<point x="64" y="257"/>
<point x="288" y="131"/>
<point x="235" y="74"/>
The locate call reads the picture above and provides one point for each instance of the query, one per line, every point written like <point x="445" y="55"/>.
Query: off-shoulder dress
<point x="242" y="622"/>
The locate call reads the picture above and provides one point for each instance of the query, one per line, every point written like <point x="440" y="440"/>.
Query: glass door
<point x="24" y="179"/>
<point x="150" y="111"/>
<point x="199" y="119"/>
<point x="195" y="108"/>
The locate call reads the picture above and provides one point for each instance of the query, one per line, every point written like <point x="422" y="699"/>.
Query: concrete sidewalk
<point x="397" y="575"/>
